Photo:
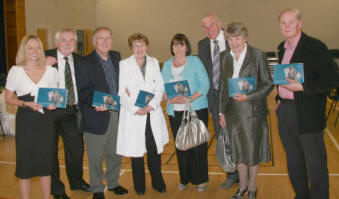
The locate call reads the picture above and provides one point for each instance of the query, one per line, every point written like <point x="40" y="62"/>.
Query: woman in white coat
<point x="142" y="130"/>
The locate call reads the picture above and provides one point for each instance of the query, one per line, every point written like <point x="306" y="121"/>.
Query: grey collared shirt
<point x="110" y="74"/>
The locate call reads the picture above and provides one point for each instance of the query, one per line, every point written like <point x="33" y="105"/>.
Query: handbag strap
<point x="192" y="111"/>
<point x="186" y="114"/>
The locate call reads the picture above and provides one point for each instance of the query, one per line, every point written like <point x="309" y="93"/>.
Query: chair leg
<point x="329" y="110"/>
<point x="336" y="119"/>
<point x="2" y="129"/>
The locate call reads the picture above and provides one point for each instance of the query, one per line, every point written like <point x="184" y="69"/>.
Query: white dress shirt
<point x="177" y="74"/>
<point x="237" y="63"/>
<point x="221" y="42"/>
<point x="61" y="70"/>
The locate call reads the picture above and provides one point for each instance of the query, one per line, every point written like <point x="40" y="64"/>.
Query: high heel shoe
<point x="252" y="194"/>
<point x="239" y="194"/>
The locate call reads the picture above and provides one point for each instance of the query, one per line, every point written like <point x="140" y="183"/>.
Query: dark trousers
<point x="67" y="127"/>
<point x="153" y="161"/>
<point x="306" y="155"/>
<point x="193" y="165"/>
<point x="214" y="110"/>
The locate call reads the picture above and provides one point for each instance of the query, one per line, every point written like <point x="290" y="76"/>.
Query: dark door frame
<point x="3" y="63"/>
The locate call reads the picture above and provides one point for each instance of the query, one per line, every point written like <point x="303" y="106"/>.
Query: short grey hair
<point x="210" y="15"/>
<point x="292" y="10"/>
<point x="237" y="29"/>
<point x="99" y="29"/>
<point x="64" y="30"/>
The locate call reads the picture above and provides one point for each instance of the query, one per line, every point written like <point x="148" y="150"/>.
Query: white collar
<point x="220" y="37"/>
<point x="242" y="54"/>
<point x="60" y="56"/>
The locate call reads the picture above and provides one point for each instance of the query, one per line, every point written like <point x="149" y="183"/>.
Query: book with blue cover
<point x="241" y="85"/>
<point x="111" y="102"/>
<point x="176" y="88"/>
<point x="54" y="96"/>
<point x="143" y="98"/>
<point x="293" y="71"/>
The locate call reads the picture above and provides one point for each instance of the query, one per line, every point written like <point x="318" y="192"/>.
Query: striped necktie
<point x="216" y="64"/>
<point x="69" y="83"/>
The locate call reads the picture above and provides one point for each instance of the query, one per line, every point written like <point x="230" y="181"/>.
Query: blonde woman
<point x="35" y="136"/>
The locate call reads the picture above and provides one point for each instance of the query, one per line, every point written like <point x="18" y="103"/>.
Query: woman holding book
<point x="193" y="166"/>
<point x="142" y="125"/>
<point x="35" y="135"/>
<point x="244" y="115"/>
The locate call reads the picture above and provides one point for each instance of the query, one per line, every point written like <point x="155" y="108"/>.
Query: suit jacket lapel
<point x="229" y="62"/>
<point x="247" y="61"/>
<point x="55" y="55"/>
<point x="75" y="60"/>
<point x="208" y="53"/>
<point x="298" y="50"/>
<point x="99" y="71"/>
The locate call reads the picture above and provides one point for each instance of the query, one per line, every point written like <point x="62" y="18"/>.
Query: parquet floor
<point x="272" y="182"/>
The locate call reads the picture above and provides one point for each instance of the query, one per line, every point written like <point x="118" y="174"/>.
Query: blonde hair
<point x="137" y="37"/>
<point x="292" y="10"/>
<point x="21" y="59"/>
<point x="64" y="30"/>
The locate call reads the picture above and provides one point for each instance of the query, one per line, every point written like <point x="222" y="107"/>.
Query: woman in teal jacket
<point x="193" y="166"/>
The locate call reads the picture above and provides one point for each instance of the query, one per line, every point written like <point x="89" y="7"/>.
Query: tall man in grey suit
<point x="209" y="52"/>
<point x="99" y="71"/>
<point x="65" y="60"/>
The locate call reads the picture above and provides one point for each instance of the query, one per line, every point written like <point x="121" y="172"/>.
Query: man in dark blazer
<point x="215" y="38"/>
<point x="99" y="71"/>
<point x="67" y="119"/>
<point x="301" y="107"/>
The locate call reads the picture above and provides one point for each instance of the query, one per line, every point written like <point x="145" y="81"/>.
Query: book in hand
<point x="111" y="102"/>
<point x="143" y="98"/>
<point x="176" y="88"/>
<point x="282" y="72"/>
<point x="54" y="96"/>
<point x="241" y="85"/>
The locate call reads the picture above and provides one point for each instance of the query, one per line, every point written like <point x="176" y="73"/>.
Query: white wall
<point x="57" y="14"/>
<point x="161" y="19"/>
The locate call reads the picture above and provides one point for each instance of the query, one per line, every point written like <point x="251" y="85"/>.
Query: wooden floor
<point x="272" y="183"/>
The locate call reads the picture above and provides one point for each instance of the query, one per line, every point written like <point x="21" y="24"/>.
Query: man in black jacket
<point x="301" y="107"/>
<point x="99" y="71"/>
<point x="65" y="60"/>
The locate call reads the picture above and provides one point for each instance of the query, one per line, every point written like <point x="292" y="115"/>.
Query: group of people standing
<point x="134" y="131"/>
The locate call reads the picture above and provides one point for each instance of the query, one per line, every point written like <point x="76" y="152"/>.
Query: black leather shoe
<point x="119" y="190"/>
<point x="163" y="190"/>
<point x="62" y="196"/>
<point x="239" y="194"/>
<point x="98" y="195"/>
<point x="83" y="187"/>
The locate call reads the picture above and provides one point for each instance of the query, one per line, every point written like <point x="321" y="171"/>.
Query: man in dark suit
<point x="301" y="108"/>
<point x="99" y="71"/>
<point x="209" y="53"/>
<point x="65" y="60"/>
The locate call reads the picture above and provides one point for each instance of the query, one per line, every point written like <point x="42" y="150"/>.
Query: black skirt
<point x="35" y="142"/>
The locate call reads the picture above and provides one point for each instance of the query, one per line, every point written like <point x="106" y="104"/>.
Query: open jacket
<point x="254" y="65"/>
<point x="91" y="77"/>
<point x="319" y="78"/>
<point x="131" y="131"/>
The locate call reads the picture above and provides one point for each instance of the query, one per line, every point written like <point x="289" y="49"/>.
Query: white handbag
<point x="192" y="131"/>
